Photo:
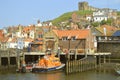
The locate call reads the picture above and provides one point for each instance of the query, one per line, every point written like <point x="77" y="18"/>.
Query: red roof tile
<point x="79" y="34"/>
<point x="109" y="29"/>
<point x="13" y="40"/>
<point x="1" y="34"/>
<point x="40" y="39"/>
<point x="4" y="39"/>
<point x="28" y="40"/>
<point x="28" y="29"/>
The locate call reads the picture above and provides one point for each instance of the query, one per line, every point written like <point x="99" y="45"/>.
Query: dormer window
<point x="73" y="38"/>
<point x="40" y="35"/>
<point x="65" y="38"/>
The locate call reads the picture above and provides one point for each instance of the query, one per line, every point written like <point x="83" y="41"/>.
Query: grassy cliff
<point x="67" y="16"/>
<point x="118" y="13"/>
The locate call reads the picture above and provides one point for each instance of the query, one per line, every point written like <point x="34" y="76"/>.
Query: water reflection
<point x="87" y="75"/>
<point x="118" y="78"/>
<point x="51" y="76"/>
<point x="93" y="75"/>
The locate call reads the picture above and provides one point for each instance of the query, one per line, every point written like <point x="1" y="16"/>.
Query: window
<point x="96" y="18"/>
<point x="64" y="38"/>
<point x="73" y="38"/>
<point x="40" y="35"/>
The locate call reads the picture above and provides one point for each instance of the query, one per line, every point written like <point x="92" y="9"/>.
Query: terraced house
<point x="81" y="40"/>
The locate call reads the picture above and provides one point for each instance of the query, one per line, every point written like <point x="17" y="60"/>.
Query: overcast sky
<point x="25" y="12"/>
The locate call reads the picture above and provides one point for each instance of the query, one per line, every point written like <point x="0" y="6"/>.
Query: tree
<point x="95" y="24"/>
<point x="103" y="22"/>
<point x="108" y="22"/>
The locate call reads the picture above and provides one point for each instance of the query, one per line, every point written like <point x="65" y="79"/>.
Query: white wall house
<point x="24" y="35"/>
<point x="99" y="12"/>
<point x="32" y="34"/>
<point x="3" y="45"/>
<point x="102" y="14"/>
<point x="12" y="43"/>
<point x="39" y="24"/>
<point x="99" y="18"/>
<point x="18" y="34"/>
<point x="26" y="44"/>
<point x="89" y="18"/>
<point x="27" y="41"/>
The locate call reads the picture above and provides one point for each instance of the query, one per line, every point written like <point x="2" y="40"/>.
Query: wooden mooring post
<point x="80" y="65"/>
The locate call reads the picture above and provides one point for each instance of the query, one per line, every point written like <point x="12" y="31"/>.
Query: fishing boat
<point x="48" y="63"/>
<point x="117" y="68"/>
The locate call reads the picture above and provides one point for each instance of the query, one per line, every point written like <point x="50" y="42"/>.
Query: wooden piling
<point x="8" y="59"/>
<point x="0" y="59"/>
<point x="80" y="65"/>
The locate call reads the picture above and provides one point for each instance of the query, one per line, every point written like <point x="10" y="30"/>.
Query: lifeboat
<point x="48" y="63"/>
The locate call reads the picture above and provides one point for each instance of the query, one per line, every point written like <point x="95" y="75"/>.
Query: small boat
<point x="26" y="68"/>
<point x="48" y="63"/>
<point x="117" y="68"/>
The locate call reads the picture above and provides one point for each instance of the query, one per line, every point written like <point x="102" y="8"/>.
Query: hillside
<point x="67" y="16"/>
<point x="118" y="13"/>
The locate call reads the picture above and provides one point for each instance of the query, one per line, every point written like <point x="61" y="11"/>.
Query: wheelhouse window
<point x="73" y="38"/>
<point x="64" y="38"/>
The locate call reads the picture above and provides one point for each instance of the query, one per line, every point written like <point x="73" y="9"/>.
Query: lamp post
<point x="59" y="52"/>
<point x="20" y="45"/>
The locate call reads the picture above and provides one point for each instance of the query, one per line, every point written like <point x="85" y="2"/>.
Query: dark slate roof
<point x="117" y="33"/>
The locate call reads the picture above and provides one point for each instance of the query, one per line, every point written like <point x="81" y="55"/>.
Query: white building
<point x="99" y="18"/>
<point x="102" y="14"/>
<point x="32" y="34"/>
<point x="12" y="43"/>
<point x="27" y="41"/>
<point x="89" y="18"/>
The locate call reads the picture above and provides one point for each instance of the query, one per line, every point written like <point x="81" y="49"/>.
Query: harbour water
<point x="86" y="75"/>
